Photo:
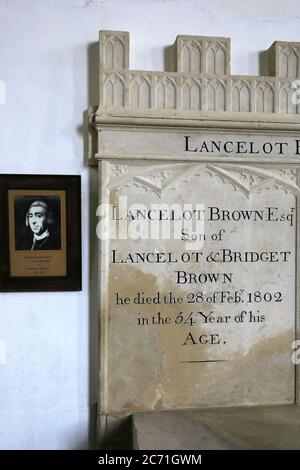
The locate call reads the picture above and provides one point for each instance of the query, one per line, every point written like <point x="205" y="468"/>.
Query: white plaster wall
<point x="48" y="341"/>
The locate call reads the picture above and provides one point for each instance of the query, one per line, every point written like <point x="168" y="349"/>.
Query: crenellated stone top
<point x="201" y="81"/>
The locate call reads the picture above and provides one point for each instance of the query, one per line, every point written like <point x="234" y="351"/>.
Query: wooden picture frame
<point x="40" y="233"/>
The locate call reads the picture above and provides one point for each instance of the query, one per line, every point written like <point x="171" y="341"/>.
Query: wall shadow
<point x="92" y="75"/>
<point x="93" y="99"/>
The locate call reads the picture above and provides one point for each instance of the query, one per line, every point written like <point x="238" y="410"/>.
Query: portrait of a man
<point x="37" y="223"/>
<point x="40" y="236"/>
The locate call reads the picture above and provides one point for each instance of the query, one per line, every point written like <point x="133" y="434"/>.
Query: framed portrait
<point x="40" y="234"/>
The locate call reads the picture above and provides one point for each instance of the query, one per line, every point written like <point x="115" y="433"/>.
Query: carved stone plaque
<point x="198" y="229"/>
<point x="207" y="318"/>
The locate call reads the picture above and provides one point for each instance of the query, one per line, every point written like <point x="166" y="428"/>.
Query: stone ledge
<point x="265" y="427"/>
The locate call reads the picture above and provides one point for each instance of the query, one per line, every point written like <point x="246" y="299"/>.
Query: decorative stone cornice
<point x="201" y="81"/>
<point x="199" y="93"/>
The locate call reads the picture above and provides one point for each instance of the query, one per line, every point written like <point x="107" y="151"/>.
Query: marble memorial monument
<point x="198" y="229"/>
